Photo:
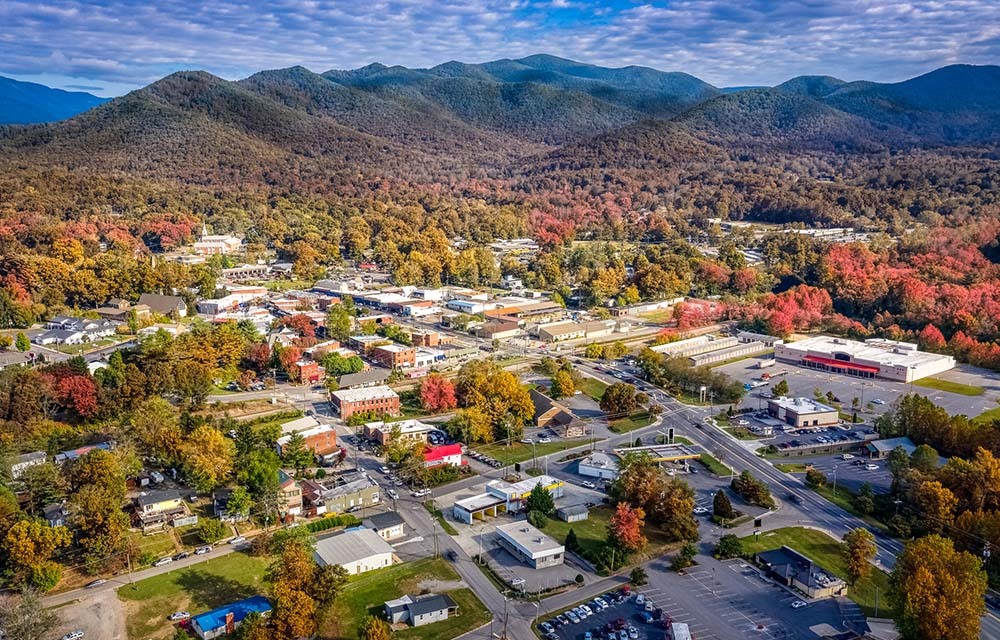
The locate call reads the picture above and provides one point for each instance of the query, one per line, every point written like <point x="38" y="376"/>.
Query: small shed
<point x="573" y="513"/>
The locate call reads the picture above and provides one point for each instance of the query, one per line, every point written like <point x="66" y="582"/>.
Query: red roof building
<point x="446" y="454"/>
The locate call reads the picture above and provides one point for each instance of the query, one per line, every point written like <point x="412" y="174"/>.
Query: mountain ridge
<point x="31" y="103"/>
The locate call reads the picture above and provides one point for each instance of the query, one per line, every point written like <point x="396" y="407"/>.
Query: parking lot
<point x="615" y="615"/>
<point x="851" y="474"/>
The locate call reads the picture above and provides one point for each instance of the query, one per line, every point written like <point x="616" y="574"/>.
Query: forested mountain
<point x="27" y="102"/>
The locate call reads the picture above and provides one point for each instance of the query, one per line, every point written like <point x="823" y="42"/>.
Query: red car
<point x="620" y="623"/>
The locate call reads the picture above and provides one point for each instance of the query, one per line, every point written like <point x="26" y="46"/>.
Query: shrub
<point x="212" y="530"/>
<point x="638" y="577"/>
<point x="537" y="519"/>
<point x="729" y="546"/>
<point x="815" y="478"/>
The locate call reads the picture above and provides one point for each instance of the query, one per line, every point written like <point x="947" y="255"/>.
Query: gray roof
<point x="384" y="520"/>
<point x="430" y="604"/>
<point x="573" y="509"/>
<point x="34" y="456"/>
<point x="159" y="496"/>
<point x="887" y="445"/>
<point x="162" y="304"/>
<point x="375" y="374"/>
<point x="350" y="546"/>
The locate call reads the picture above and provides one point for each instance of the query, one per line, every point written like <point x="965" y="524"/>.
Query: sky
<point x="110" y="47"/>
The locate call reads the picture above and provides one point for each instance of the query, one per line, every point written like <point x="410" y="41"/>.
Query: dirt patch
<point x="438" y="586"/>
<point x="100" y="616"/>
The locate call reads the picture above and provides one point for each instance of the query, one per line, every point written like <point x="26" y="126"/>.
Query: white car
<point x="527" y="441"/>
<point x="878" y="401"/>
<point x="163" y="561"/>
<point x="588" y="484"/>
<point x="200" y="551"/>
<point x="798" y="604"/>
<point x="392" y="493"/>
<point x="871" y="467"/>
<point x="384" y="470"/>
<point x="633" y="633"/>
<point x="179" y="615"/>
<point x="572" y="616"/>
<point x="847" y="456"/>
<point x="640" y="600"/>
<point x="74" y="635"/>
<point x="544" y="440"/>
<point x="698" y="511"/>
<point x="238" y="540"/>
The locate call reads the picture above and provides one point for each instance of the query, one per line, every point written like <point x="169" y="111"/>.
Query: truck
<point x="766" y="362"/>
<point x="679" y="631"/>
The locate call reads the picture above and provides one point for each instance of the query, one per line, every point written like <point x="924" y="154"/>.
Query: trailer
<point x="766" y="362"/>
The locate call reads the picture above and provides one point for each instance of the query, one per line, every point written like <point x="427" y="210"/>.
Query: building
<point x="599" y="465"/>
<point x="289" y="495"/>
<point x="676" y="452"/>
<point x="425" y="338"/>
<point x="341" y="493"/>
<point x="215" y="306"/>
<point x="496" y="330"/>
<point x="171" y="306"/>
<point x="738" y="350"/>
<point x="694" y="346"/>
<point x="308" y="371"/>
<point x="70" y="330"/>
<point x="298" y="425"/>
<point x="118" y="310"/>
<point x="159" y="501"/>
<point x="226" y="620"/>
<point x="220" y="506"/>
<point x="407" y="430"/>
<point x="880" y="449"/>
<point x="394" y="356"/>
<point x="768" y="340"/>
<point x="446" y="454"/>
<point x="55" y="514"/>
<point x="321" y="440"/>
<point x="26" y="460"/>
<point x="573" y="513"/>
<point x="792" y="569"/>
<point x="68" y="456"/>
<point x="553" y="415"/>
<point x="371" y="378"/>
<point x="529" y="545"/>
<point x="357" y="550"/>
<point x="419" y="610"/>
<point x="388" y="525"/>
<point x="802" y="412"/>
<point x="217" y="245"/>
<point x="874" y="358"/>
<point x="377" y="400"/>
<point x="503" y="497"/>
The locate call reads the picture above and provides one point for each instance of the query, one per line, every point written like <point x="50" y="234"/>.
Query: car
<point x="647" y="617"/>
<point x="181" y="555"/>
<point x="238" y="540"/>
<point x="587" y="610"/>
<point x="179" y="615"/>
<point x="392" y="493"/>
<point x="546" y="627"/>
<point x="700" y="511"/>
<point x="73" y="635"/>
<point x="96" y="583"/>
<point x="200" y="551"/>
<point x="544" y="440"/>
<point x="163" y="561"/>
<point x="640" y="600"/>
<point x="878" y="401"/>
<point x="622" y="634"/>
<point x="421" y="493"/>
<point x="588" y="484"/>
<point x="587" y="635"/>
<point x="602" y="602"/>
<point x="572" y="616"/>
<point x="871" y="467"/>
<point x="384" y="470"/>
<point x="798" y="604"/>
<point x="517" y="581"/>
<point x="527" y="441"/>
<point x="633" y="633"/>
<point x="563" y="620"/>
<point x="619" y="623"/>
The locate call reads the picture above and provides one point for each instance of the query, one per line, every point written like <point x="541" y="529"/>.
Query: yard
<point x="592" y="387"/>
<point x="949" y="386"/>
<point x="825" y="552"/>
<point x="635" y="421"/>
<point x="592" y="534"/>
<point x="151" y="548"/>
<point x="197" y="589"/>
<point x="519" y="452"/>
<point x="365" y="593"/>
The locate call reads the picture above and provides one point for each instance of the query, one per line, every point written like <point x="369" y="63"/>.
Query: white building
<point x="599" y="465"/>
<point x="470" y="307"/>
<point x="27" y="460"/>
<point x="357" y="550"/>
<point x="502" y="497"/>
<point x="217" y="245"/>
<point x="530" y="546"/>
<point x="874" y="358"/>
<point x="802" y="412"/>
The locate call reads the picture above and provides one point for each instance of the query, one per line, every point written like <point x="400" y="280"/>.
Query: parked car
<point x="546" y="627"/>
<point x="647" y="617"/>
<point x="798" y="604"/>
<point x="633" y="633"/>
<point x="588" y="484"/>
<point x="640" y="600"/>
<point x="163" y="561"/>
<point x="96" y="583"/>
<point x="563" y="619"/>
<point x="179" y="615"/>
<point x="392" y="493"/>
<point x="572" y="616"/>
<point x="871" y="467"/>
<point x="544" y="440"/>
<point x="238" y="540"/>
<point x="181" y="555"/>
<point x="700" y="511"/>
<point x="878" y="401"/>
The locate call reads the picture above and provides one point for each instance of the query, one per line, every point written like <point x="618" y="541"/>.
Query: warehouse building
<point x="501" y="497"/>
<point x="802" y="412"/>
<point x="694" y="346"/>
<point x="530" y="546"/>
<point x="356" y="550"/>
<point x="874" y="358"/>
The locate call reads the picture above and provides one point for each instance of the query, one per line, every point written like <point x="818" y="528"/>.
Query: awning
<point x="830" y="362"/>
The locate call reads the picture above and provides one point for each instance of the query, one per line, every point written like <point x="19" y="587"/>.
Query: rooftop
<point x="394" y="348"/>
<point x="601" y="460"/>
<point x="384" y="520"/>
<point x="887" y="445"/>
<point x="430" y="603"/>
<point x="531" y="540"/>
<point x="375" y="374"/>
<point x="307" y="433"/>
<point x="405" y="426"/>
<point x="350" y="546"/>
<point x="299" y="424"/>
<point x="370" y="393"/>
<point x="800" y="405"/>
<point x="216" y="618"/>
<point x="887" y="353"/>
<point x="524" y="486"/>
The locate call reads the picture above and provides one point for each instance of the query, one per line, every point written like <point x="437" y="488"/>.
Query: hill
<point x="812" y="86"/>
<point x="28" y="103"/>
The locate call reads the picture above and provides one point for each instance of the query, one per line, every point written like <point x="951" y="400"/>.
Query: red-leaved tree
<point x="437" y="393"/>
<point x="625" y="528"/>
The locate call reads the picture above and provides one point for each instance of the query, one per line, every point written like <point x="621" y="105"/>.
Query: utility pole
<point x="505" y="616"/>
<point x="128" y="558"/>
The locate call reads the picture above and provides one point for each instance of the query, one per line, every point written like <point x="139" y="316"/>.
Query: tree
<point x="638" y="577"/>
<point x="562" y="384"/>
<point x="156" y="424"/>
<point x="865" y="500"/>
<point x="625" y="528"/>
<point x="615" y="350"/>
<point x="685" y="557"/>
<point x="212" y="530"/>
<point x="939" y="591"/>
<point x="21" y="343"/>
<point x="253" y="627"/>
<point x="239" y="503"/>
<point x="722" y="507"/>
<point x="23" y="617"/>
<point x="815" y="478"/>
<point x="752" y="490"/>
<point x="537" y="519"/>
<point x="594" y="351"/>
<point x="619" y="399"/>
<point x="639" y="482"/>
<point x="373" y="628"/>
<point x="437" y="394"/>
<point x="673" y="510"/>
<point x="729" y="546"/>
<point x="29" y="546"/>
<point x="293" y="615"/>
<point x="781" y="388"/>
<point x="327" y="583"/>
<point x="208" y="458"/>
<point x="483" y="384"/>
<point x="540" y="500"/>
<point x="296" y="454"/>
<point x="571" y="543"/>
<point x="935" y="505"/>
<point x="858" y="549"/>
<point x="924" y="459"/>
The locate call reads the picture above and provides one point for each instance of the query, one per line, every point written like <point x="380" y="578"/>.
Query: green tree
<point x="540" y="500"/>
<point x="781" y="388"/>
<point x="815" y="478"/>
<point x="339" y="322"/>
<point x="239" y="503"/>
<point x="619" y="399"/>
<point x="685" y="557"/>
<point x="22" y="343"/>
<point x="752" y="490"/>
<point x="638" y="577"/>
<point x="615" y="350"/>
<point x="571" y="543"/>
<point x="537" y="519"/>
<point x="722" y="507"/>
<point x="729" y="546"/>
<point x="864" y="502"/>
<point x="295" y="454"/>
<point x="924" y="459"/>
<point x="212" y="530"/>
<point x="858" y="549"/>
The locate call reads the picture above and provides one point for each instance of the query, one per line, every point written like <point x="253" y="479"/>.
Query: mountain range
<point x="479" y="120"/>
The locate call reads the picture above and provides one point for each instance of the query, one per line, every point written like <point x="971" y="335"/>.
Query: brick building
<point x="381" y="400"/>
<point x="394" y="356"/>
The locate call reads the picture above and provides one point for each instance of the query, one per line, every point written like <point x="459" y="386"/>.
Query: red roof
<point x="445" y="450"/>
<point x="840" y="363"/>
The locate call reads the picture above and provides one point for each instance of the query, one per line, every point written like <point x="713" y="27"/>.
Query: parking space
<point x="853" y="472"/>
<point x="615" y="615"/>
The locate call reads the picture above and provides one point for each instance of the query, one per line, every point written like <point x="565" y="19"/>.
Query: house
<point x="573" y="513"/>
<point x="555" y="416"/>
<point x="407" y="430"/>
<point x="341" y="493"/>
<point x="119" y="310"/>
<point x="171" y="306"/>
<point x="227" y="619"/>
<point x="388" y="525"/>
<point x="55" y="514"/>
<point x="357" y="550"/>
<point x="15" y="358"/>
<point x="321" y="440"/>
<point x="60" y="336"/>
<point x="880" y="449"/>
<point x="289" y="495"/>
<point x="420" y="610"/>
<point x="220" y="502"/>
<point x="67" y="456"/>
<point x="446" y="454"/>
<point x="377" y="400"/>
<point x="394" y="356"/>
<point x="529" y="545"/>
<point x="599" y="465"/>
<point x="26" y="460"/>
<point x="159" y="501"/>
<point x="371" y="378"/>
<point x="792" y="569"/>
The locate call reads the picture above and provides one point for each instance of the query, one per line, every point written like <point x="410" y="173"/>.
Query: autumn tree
<point x="471" y="425"/>
<point x="640" y="480"/>
<point x="29" y="546"/>
<point x="594" y="351"/>
<point x="858" y="550"/>
<point x="939" y="592"/>
<point x="373" y="628"/>
<point x="23" y="617"/>
<point x="673" y="511"/>
<point x="156" y="425"/>
<point x="208" y="458"/>
<point x="437" y="393"/>
<point x="498" y="394"/>
<point x="935" y="505"/>
<point x="562" y="384"/>
<point x="95" y="506"/>
<point x="619" y="399"/>
<point x="626" y="527"/>
<point x="752" y="490"/>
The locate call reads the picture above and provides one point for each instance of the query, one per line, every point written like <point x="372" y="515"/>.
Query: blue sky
<point x="109" y="47"/>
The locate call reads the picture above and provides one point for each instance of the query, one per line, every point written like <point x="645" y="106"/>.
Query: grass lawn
<point x="635" y="421"/>
<point x="519" y="452"/>
<point x="791" y="467"/>
<point x="197" y="589"/>
<point x="845" y="500"/>
<point x="364" y="595"/>
<point x="825" y="552"/>
<point x="987" y="416"/>
<point x="660" y="315"/>
<point x="156" y="545"/>
<point x="714" y="465"/>
<point x="592" y="534"/>
<point x="949" y="386"/>
<point x="592" y="387"/>
<point x="740" y="433"/>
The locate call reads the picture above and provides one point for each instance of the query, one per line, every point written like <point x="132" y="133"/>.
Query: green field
<point x="949" y="386"/>
<point x="845" y="500"/>
<point x="519" y="452"/>
<point x="197" y="589"/>
<point x="637" y="420"/>
<point x="154" y="546"/>
<point x="365" y="593"/>
<point x="987" y="416"/>
<point x="592" y="387"/>
<point x="714" y="465"/>
<point x="825" y="552"/>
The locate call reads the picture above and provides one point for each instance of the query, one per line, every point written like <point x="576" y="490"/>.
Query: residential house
<point x="173" y="307"/>
<point x="220" y="504"/>
<point x="26" y="460"/>
<point x="70" y="330"/>
<point x="378" y="400"/>
<point x="357" y="550"/>
<point x="118" y="310"/>
<point x="290" y="496"/>
<point x="389" y="525"/>
<point x="155" y="509"/>
<point x="225" y="620"/>
<point x="446" y="454"/>
<point x="55" y="514"/>
<point x="68" y="456"/>
<point x="420" y="610"/>
<point x="407" y="430"/>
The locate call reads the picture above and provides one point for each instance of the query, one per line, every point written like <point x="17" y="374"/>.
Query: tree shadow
<point x="211" y="590"/>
